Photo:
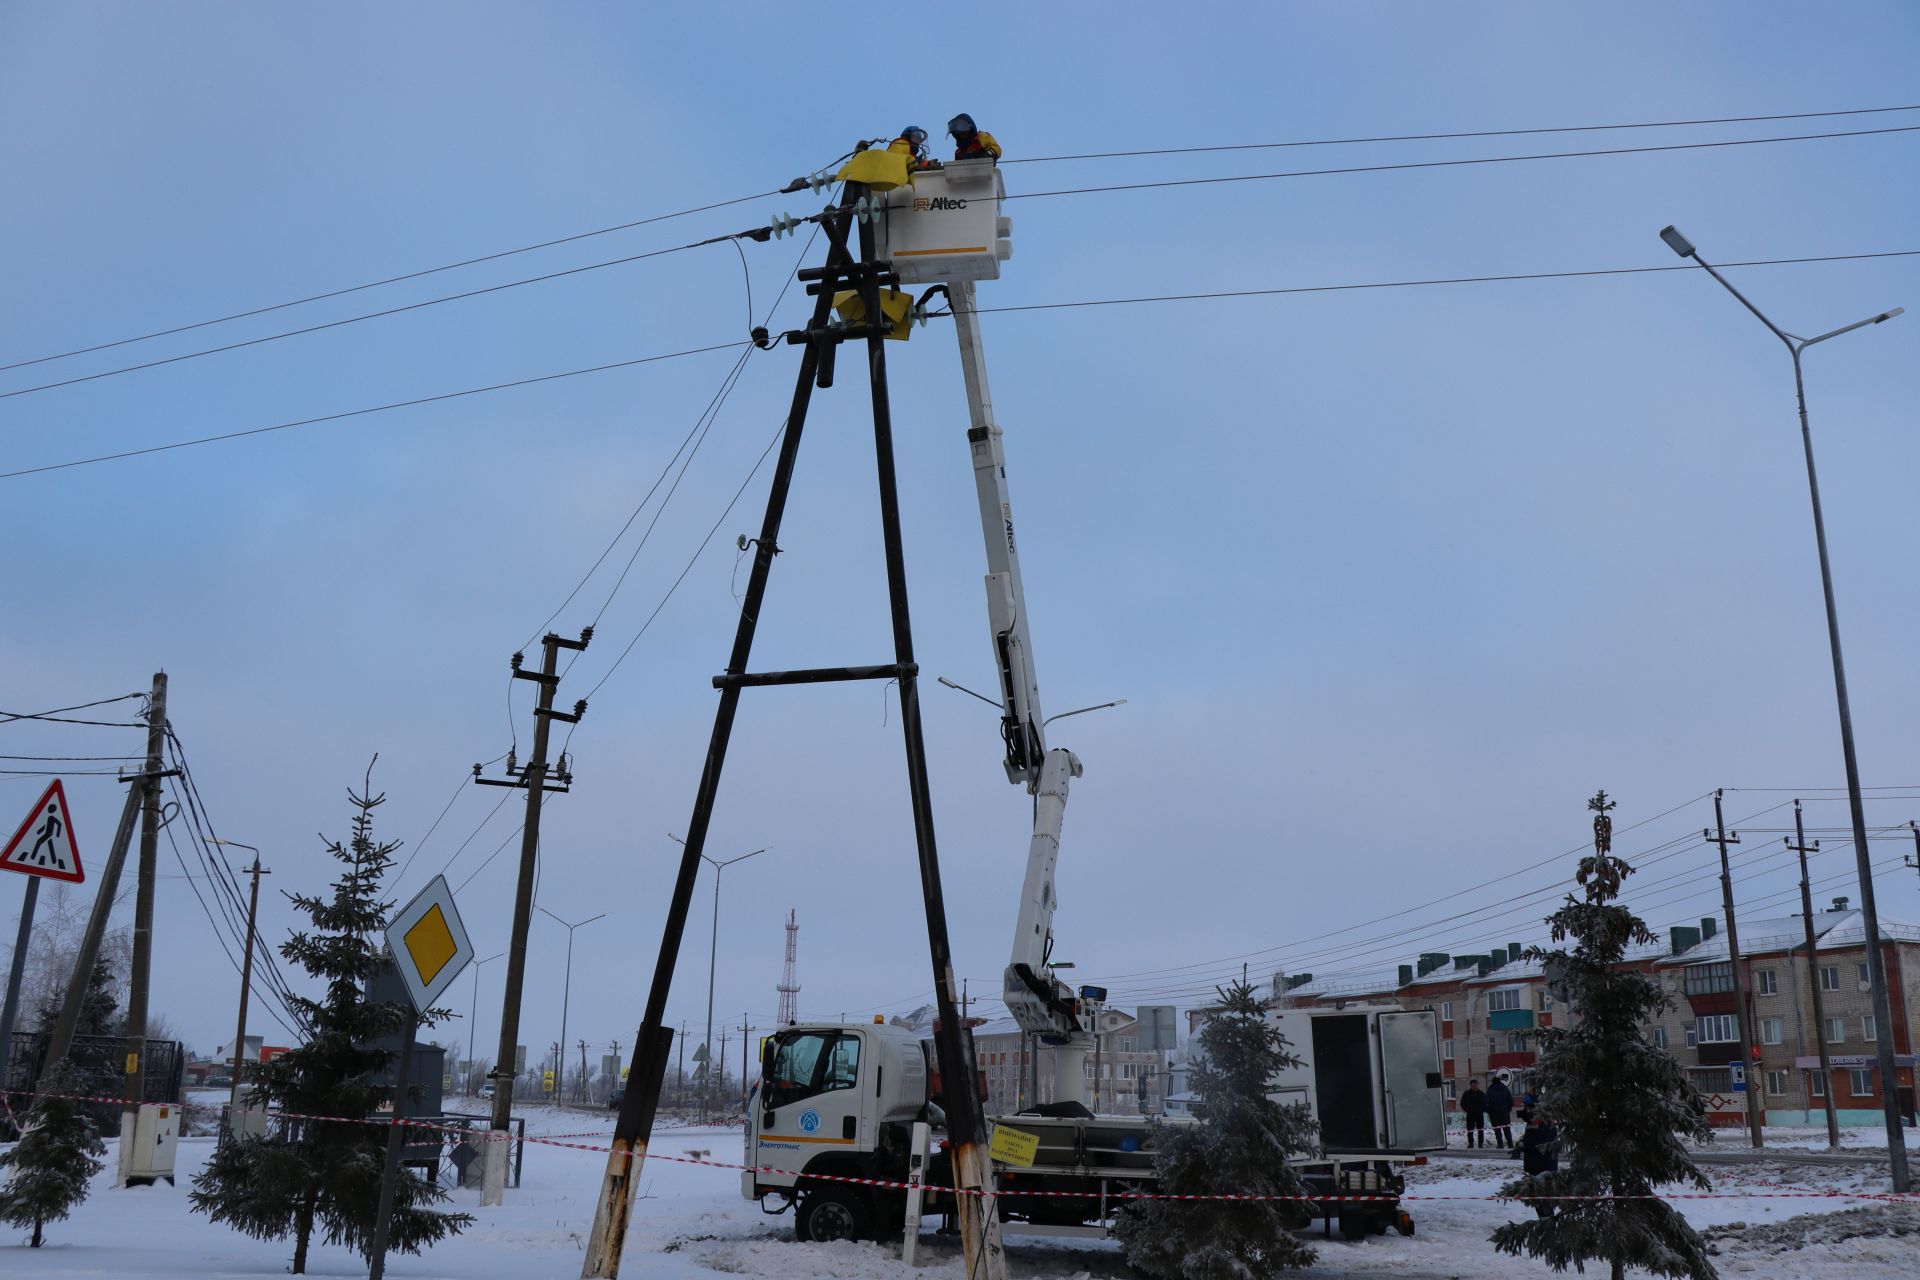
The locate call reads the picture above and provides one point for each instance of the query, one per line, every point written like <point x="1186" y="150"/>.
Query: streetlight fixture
<point x="713" y="955"/>
<point x="566" y="990"/>
<point x="1876" y="968"/>
<point x="473" y="1011"/>
<point x="246" y="979"/>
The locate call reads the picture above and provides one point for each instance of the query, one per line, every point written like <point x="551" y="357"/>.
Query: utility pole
<point x="1914" y="861"/>
<point x="680" y="1069"/>
<point x="746" y="1034"/>
<point x="493" y="1187"/>
<point x="133" y="1087"/>
<point x="103" y="896"/>
<point x="246" y="980"/>
<point x="1800" y="846"/>
<point x="717" y="1069"/>
<point x="865" y="277"/>
<point x="1741" y="1022"/>
<point x="580" y="1085"/>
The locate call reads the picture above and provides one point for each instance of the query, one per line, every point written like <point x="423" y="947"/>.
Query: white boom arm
<point x="1040" y="1002"/>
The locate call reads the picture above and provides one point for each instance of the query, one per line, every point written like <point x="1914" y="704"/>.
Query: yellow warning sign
<point x="1013" y="1146"/>
<point x="430" y="944"/>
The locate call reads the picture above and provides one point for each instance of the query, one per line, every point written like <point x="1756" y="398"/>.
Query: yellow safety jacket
<point x="983" y="145"/>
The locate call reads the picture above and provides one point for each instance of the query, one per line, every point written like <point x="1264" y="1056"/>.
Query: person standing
<point x="1473" y="1105"/>
<point x="970" y="142"/>
<point x="1539" y="1153"/>
<point x="1500" y="1110"/>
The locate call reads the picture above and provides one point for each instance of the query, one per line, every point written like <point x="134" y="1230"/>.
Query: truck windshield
<point x="813" y="1062"/>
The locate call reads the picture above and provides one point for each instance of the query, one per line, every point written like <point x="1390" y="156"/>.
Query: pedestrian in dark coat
<point x="1540" y="1153"/>
<point x="1473" y="1105"/>
<point x="1500" y="1111"/>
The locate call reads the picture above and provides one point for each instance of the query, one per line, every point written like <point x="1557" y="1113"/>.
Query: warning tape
<point x="562" y="1142"/>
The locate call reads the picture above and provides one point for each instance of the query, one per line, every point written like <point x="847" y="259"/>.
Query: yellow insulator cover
<point x="894" y="305"/>
<point x="878" y="170"/>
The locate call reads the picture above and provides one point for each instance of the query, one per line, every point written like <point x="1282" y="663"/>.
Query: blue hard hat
<point x="962" y="124"/>
<point x="914" y="133"/>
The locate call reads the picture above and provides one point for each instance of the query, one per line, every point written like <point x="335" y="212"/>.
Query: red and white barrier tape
<point x="487" y="1135"/>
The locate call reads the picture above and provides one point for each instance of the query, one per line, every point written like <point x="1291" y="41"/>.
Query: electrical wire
<point x="1449" y="137"/>
<point x="375" y="284"/>
<point x="1165" y="183"/>
<point x="361" y="413"/>
<point x="56" y="714"/>
<point x="370" y="315"/>
<point x="496" y="853"/>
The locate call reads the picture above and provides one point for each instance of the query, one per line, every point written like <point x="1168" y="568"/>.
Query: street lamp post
<point x="566" y="990"/>
<point x="713" y="955"/>
<point x="1876" y="968"/>
<point x="246" y="980"/>
<point x="473" y="1013"/>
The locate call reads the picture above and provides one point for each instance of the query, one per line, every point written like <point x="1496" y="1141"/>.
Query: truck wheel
<point x="1356" y="1226"/>
<point x="833" y="1213"/>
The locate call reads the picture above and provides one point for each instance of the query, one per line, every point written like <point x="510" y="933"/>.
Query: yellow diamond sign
<point x="429" y="943"/>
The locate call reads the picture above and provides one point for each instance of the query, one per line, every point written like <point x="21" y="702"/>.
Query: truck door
<point x="1410" y="1076"/>
<point x="811" y="1099"/>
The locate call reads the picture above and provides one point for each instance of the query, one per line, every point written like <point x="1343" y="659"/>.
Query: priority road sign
<point x="44" y="844"/>
<point x="429" y="943"/>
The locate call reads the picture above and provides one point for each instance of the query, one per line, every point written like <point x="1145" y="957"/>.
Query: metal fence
<point x="98" y="1060"/>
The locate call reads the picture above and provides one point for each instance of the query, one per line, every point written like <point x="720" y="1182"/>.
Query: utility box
<point x="945" y="224"/>
<point x="156" y="1135"/>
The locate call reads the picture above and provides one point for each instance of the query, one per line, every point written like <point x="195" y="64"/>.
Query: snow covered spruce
<point x="1240" y="1145"/>
<point x="308" y="1174"/>
<point x="1621" y="1104"/>
<point x="58" y="1153"/>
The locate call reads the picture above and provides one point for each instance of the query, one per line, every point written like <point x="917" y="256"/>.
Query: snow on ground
<point x="692" y="1223"/>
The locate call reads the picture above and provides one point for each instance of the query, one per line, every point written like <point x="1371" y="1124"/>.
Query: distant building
<point x="1129" y="1080"/>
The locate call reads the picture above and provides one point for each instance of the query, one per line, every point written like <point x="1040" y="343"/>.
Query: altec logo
<point x="922" y="204"/>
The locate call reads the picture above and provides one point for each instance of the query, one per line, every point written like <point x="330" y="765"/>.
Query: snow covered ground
<point x="691" y="1222"/>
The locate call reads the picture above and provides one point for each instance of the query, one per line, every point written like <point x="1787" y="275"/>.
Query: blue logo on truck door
<point x="809" y="1121"/>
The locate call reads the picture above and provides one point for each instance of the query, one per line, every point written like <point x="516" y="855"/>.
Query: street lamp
<point x="246" y="980"/>
<point x="713" y="953"/>
<point x="566" y="990"/>
<point x="474" y="1010"/>
<point x="1876" y="970"/>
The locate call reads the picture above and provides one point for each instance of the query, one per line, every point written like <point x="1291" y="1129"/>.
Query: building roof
<point x="1832" y="930"/>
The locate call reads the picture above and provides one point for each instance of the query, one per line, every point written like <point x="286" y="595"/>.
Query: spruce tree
<point x="58" y="1153"/>
<point x="1240" y="1144"/>
<point x="324" y="1175"/>
<point x="1621" y="1103"/>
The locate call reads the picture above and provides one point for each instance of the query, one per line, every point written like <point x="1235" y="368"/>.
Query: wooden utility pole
<point x="246" y="983"/>
<point x="83" y="964"/>
<point x="746" y="1034"/>
<point x="133" y="1087"/>
<point x="1741" y="1022"/>
<point x="493" y="1187"/>
<point x="1800" y="846"/>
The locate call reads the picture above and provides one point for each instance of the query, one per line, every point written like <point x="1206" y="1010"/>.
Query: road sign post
<point x="430" y="947"/>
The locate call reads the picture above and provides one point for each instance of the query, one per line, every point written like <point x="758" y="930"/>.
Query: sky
<point x="1391" y="580"/>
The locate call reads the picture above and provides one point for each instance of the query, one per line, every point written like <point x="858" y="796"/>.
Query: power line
<point x="56" y="713"/>
<point x="370" y="315"/>
<point x="361" y="413"/>
<point x="1415" y="284"/>
<point x="1444" y="137"/>
<point x="375" y="284"/>
<point x="1454" y="164"/>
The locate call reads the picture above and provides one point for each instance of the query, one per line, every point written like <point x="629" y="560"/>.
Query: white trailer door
<point x="1410" y="1076"/>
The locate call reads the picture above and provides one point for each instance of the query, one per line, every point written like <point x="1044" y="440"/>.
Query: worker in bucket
<point x="912" y="142"/>
<point x="970" y="141"/>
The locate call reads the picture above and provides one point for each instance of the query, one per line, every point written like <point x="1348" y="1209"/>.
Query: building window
<point x="1446" y="1050"/>
<point x="1448" y="1089"/>
<point x="1868" y="1030"/>
<point x="1504" y="1000"/>
<point x="1690" y="1035"/>
<point x="1836" y="1030"/>
<point x="1659" y="1037"/>
<point x="1516" y="1042"/>
<point x="1866" y="974"/>
<point x="1817" y="1085"/>
<point x="1446" y="1011"/>
<point x="1830" y="977"/>
<point x="1769" y="1031"/>
<point x="1709" y="979"/>
<point x="1717" y="1028"/>
<point x="1766" y="982"/>
<point x="1860" y="1080"/>
<point x="1493" y="1045"/>
<point x="1777" y="1084"/>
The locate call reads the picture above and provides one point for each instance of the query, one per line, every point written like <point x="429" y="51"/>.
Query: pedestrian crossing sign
<point x="429" y="943"/>
<point x="44" y="844"/>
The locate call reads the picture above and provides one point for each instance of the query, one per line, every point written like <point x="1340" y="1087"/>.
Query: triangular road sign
<point x="44" y="844"/>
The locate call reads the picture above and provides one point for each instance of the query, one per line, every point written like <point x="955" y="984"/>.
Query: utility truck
<point x="832" y="1130"/>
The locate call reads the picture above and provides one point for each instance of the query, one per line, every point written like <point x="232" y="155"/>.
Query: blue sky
<point x="1392" y="580"/>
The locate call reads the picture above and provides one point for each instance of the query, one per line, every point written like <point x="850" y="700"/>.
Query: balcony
<point x="1510" y="1020"/>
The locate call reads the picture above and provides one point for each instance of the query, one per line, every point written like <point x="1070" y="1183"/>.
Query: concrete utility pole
<point x="580" y="1085"/>
<point x="83" y="964"/>
<point x="1800" y="846"/>
<point x="246" y="978"/>
<point x="133" y="1087"/>
<point x="746" y="1034"/>
<point x="1742" y="1024"/>
<point x="493" y="1187"/>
